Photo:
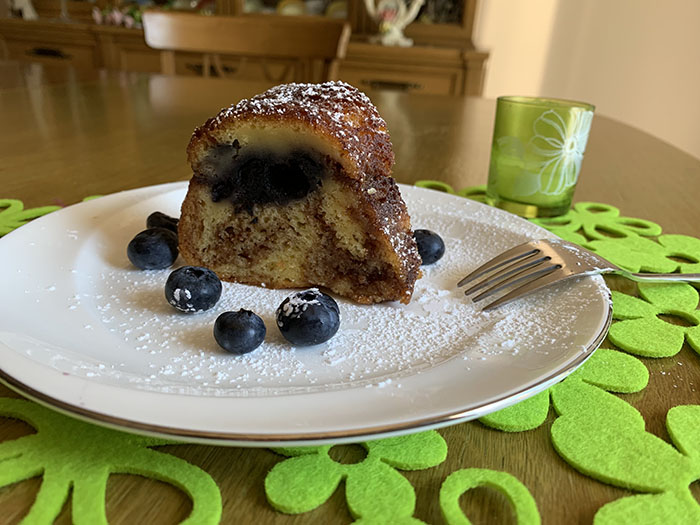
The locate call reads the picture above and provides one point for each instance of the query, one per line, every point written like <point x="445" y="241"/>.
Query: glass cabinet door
<point x="439" y="22"/>
<point x="331" y="8"/>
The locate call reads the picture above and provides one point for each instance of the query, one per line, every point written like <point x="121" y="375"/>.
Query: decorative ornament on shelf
<point x="23" y="9"/>
<point x="128" y="16"/>
<point x="393" y="16"/>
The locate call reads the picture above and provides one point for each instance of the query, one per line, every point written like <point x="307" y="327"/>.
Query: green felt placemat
<point x="13" y="215"/>
<point x="457" y="483"/>
<point x="597" y="432"/>
<point x="72" y="455"/>
<point x="374" y="489"/>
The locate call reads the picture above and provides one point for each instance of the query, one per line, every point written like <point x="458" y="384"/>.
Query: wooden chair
<point x="310" y="48"/>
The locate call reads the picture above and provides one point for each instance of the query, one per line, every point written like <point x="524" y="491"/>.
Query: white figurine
<point x="25" y="7"/>
<point x="393" y="16"/>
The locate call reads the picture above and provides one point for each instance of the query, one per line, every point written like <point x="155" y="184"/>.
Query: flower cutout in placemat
<point x="607" y="441"/>
<point x="608" y="370"/>
<point x="436" y="185"/>
<point x="671" y="253"/>
<point x="475" y="193"/>
<point x="684" y="250"/>
<point x="585" y="222"/>
<point x="599" y="221"/>
<point x="71" y="454"/>
<point x="635" y="254"/>
<point x="461" y="481"/>
<point x="642" y="332"/>
<point x="560" y="226"/>
<point x="13" y="215"/>
<point x="374" y="490"/>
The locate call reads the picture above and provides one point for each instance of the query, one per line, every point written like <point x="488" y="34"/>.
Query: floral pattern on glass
<point x="560" y="149"/>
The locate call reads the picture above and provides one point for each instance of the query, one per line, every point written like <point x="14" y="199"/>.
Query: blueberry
<point x="153" y="249"/>
<point x="430" y="246"/>
<point x="161" y="220"/>
<point x="192" y="289"/>
<point x="308" y="318"/>
<point x="239" y="332"/>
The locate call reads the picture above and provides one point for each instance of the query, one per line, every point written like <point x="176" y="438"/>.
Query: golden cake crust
<point x="334" y="111"/>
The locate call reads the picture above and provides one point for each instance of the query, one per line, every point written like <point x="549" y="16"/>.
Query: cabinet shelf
<point x="442" y="61"/>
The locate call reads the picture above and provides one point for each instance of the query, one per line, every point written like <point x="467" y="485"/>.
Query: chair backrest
<point x="301" y="39"/>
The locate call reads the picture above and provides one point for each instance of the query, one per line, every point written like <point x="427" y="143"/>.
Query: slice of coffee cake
<point x="293" y="188"/>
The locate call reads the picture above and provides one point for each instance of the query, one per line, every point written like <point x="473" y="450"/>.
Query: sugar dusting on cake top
<point x="332" y="99"/>
<point x="335" y="109"/>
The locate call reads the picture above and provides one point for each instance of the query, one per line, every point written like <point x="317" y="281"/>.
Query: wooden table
<point x="62" y="142"/>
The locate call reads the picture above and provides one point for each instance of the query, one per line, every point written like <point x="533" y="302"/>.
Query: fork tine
<point x="533" y="275"/>
<point x="514" y="254"/>
<point x="506" y="272"/>
<point x="525" y="289"/>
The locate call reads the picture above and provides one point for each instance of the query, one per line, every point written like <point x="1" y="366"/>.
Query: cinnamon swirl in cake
<point x="293" y="188"/>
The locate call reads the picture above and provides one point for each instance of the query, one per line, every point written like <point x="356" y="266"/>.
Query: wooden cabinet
<point x="418" y="69"/>
<point x="442" y="61"/>
<point x="50" y="42"/>
<point x="444" y="23"/>
<point x="393" y="77"/>
<point x="125" y="49"/>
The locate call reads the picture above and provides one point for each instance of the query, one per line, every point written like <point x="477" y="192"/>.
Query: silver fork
<point x="535" y="264"/>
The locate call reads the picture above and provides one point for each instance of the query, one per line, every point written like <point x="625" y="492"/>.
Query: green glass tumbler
<point x="536" y="154"/>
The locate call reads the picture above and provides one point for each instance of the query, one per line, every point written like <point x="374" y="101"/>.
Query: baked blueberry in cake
<point x="292" y="188"/>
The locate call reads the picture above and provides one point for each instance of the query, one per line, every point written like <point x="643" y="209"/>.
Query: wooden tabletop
<point x="67" y="138"/>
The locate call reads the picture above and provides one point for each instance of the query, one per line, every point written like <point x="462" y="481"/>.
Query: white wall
<point x="637" y="60"/>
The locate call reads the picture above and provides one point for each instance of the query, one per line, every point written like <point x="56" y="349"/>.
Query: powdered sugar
<point x="376" y="346"/>
<point x="297" y="304"/>
<point x="108" y="325"/>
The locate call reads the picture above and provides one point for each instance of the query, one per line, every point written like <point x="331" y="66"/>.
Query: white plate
<point x="84" y="332"/>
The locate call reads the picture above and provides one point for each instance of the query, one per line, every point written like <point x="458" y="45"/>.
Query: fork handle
<point x="660" y="277"/>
